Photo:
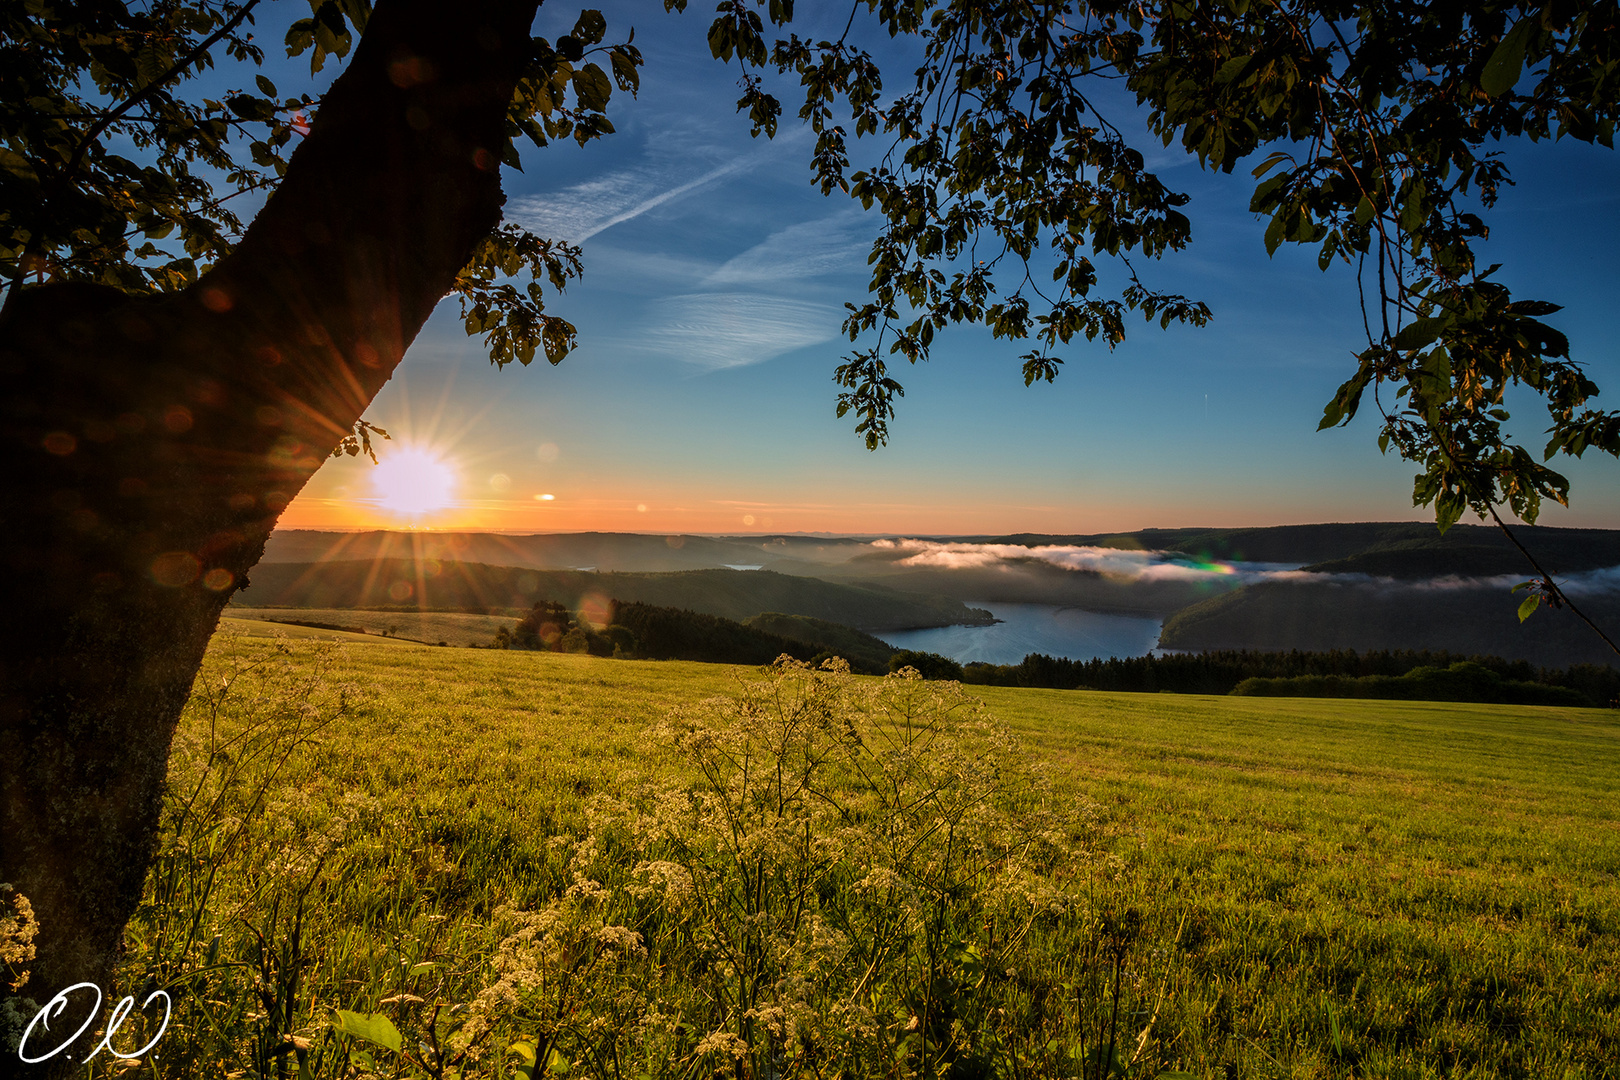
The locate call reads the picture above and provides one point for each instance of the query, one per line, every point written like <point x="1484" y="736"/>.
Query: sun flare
<point x="413" y="481"/>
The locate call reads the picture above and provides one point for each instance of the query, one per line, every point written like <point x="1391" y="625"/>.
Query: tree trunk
<point x="149" y="444"/>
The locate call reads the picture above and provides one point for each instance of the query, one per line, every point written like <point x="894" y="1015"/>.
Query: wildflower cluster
<point x="852" y="881"/>
<point x="817" y="875"/>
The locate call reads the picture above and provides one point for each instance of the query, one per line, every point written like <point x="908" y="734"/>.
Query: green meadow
<point x="428" y="627"/>
<point x="523" y="864"/>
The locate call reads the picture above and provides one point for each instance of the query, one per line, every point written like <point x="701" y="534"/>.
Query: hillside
<point x="467" y="586"/>
<point x="1340" y="615"/>
<point x="1562" y="551"/>
<point x="1032" y="581"/>
<point x="555" y="551"/>
<point x="429" y="627"/>
<point x="863" y="651"/>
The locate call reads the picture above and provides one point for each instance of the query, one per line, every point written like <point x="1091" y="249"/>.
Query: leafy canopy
<point x="1000" y="184"/>
<point x="86" y="79"/>
<point x="1383" y="121"/>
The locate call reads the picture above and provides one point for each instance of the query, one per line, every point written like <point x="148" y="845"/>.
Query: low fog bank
<point x="1137" y="582"/>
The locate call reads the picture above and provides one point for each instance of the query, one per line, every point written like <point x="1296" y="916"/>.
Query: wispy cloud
<point x="578" y="213"/>
<point x="836" y="244"/>
<point x="678" y="162"/>
<point x="732" y="329"/>
<point x="749" y="308"/>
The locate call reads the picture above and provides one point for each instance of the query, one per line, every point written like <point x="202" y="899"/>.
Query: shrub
<point x="928" y="665"/>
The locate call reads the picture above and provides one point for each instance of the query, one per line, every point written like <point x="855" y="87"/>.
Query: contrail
<point x="660" y="199"/>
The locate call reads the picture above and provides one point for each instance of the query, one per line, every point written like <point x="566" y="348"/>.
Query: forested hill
<point x="468" y="586"/>
<point x="556" y="551"/>
<point x="1370" y="615"/>
<point x="1404" y="549"/>
<point x="1410" y="549"/>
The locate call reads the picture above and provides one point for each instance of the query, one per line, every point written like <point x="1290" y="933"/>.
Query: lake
<point x="1035" y="628"/>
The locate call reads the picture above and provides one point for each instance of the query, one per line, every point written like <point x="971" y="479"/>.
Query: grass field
<point x="1271" y="887"/>
<point x="450" y="627"/>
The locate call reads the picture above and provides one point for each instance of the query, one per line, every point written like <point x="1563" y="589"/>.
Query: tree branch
<point x="1549" y="583"/>
<point x="151" y="88"/>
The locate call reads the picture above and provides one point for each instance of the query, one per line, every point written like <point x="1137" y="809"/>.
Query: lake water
<point x="1035" y="628"/>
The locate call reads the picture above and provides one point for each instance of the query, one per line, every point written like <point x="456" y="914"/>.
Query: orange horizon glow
<point x="545" y="490"/>
<point x="564" y="513"/>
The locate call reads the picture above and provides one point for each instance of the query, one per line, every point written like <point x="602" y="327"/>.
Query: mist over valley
<point x="1361" y="586"/>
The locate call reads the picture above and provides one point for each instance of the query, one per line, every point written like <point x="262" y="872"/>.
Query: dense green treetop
<point x="111" y="173"/>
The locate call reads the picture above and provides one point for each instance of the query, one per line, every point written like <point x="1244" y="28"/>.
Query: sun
<point x="413" y="481"/>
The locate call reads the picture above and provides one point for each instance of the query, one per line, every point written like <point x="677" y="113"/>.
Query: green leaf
<point x="372" y="1027"/>
<point x="1418" y="333"/>
<point x="1230" y="70"/>
<point x="592" y="88"/>
<point x="1506" y="64"/>
<point x="1104" y="1062"/>
<point x="17" y="165"/>
<point x="1277" y="158"/>
<point x="1262" y="199"/>
<point x="525" y="1053"/>
<point x="590" y="27"/>
<point x="624" y="70"/>
<point x="1447" y="509"/>
<point x="1342" y="409"/>
<point x="1529" y="606"/>
<point x="1274" y="231"/>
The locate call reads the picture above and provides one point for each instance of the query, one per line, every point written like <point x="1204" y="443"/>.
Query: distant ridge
<point x="443" y="585"/>
<point x="554" y="551"/>
<point x="1322" y="616"/>
<point x="1388" y="548"/>
<point x="1563" y="551"/>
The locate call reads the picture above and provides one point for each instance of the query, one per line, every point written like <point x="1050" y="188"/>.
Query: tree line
<point x="638" y="631"/>
<point x="1309" y="674"/>
<point x="648" y="632"/>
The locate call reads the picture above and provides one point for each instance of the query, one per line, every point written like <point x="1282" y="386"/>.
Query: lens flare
<point x="413" y="481"/>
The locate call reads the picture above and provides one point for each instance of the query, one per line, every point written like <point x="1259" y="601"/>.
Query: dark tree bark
<point x="149" y="444"/>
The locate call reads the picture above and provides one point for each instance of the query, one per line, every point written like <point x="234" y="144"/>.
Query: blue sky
<point x="700" y="397"/>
